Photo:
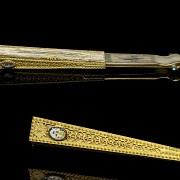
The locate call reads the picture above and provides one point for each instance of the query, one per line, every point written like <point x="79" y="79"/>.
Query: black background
<point x="142" y="109"/>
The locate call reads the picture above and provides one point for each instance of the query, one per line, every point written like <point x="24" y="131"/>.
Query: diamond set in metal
<point x="8" y="65"/>
<point x="57" y="133"/>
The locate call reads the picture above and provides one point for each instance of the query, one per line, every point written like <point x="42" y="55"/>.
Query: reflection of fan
<point x="38" y="174"/>
<point x="54" y="177"/>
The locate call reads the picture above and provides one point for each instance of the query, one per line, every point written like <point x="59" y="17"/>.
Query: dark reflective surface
<point x="139" y="109"/>
<point x="146" y="110"/>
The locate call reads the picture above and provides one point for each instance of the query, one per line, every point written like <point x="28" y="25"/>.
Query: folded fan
<point x="32" y="65"/>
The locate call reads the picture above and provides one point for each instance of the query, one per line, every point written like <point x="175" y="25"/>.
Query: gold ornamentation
<point x="81" y="137"/>
<point x="38" y="174"/>
<point x="40" y="130"/>
<point x="49" y="58"/>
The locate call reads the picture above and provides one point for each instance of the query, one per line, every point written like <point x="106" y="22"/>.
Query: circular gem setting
<point x="8" y="65"/>
<point x="57" y="133"/>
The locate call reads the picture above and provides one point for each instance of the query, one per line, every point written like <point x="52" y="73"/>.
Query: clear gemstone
<point x="7" y="65"/>
<point x="57" y="133"/>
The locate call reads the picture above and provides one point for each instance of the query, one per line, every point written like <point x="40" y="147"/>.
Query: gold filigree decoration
<point x="49" y="58"/>
<point x="81" y="137"/>
<point x="40" y="130"/>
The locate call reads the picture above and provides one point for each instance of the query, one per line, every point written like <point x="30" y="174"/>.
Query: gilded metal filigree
<point x="81" y="137"/>
<point x="49" y="58"/>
